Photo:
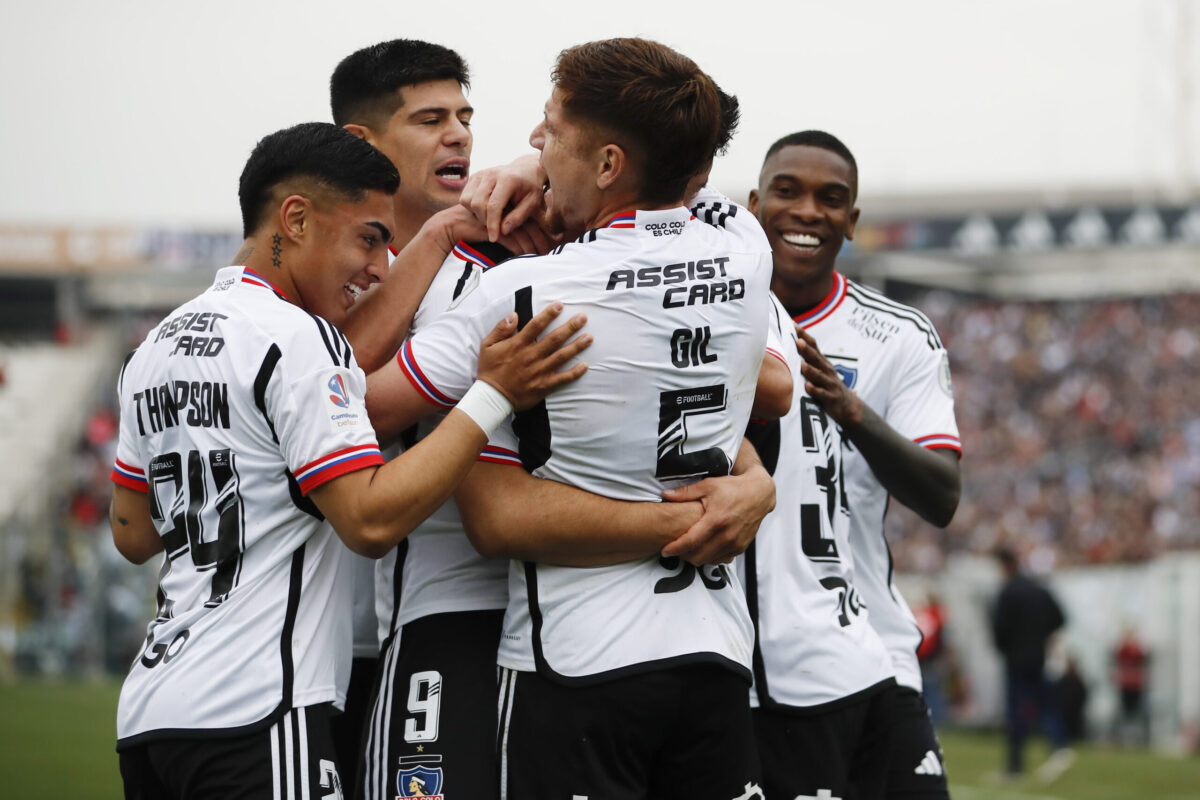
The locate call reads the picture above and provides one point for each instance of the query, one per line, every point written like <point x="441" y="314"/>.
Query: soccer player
<point x="882" y="374"/>
<point x="822" y="676"/>
<point x="440" y="603"/>
<point x="629" y="679"/>
<point x="405" y="97"/>
<point x="244" y="445"/>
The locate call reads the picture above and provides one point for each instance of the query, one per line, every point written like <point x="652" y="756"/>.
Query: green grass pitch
<point x="56" y="741"/>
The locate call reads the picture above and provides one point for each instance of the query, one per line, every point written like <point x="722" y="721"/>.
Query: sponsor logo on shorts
<point x="420" y="780"/>
<point x="930" y="765"/>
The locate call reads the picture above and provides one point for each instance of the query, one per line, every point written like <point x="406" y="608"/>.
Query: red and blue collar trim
<point x="625" y="219"/>
<point x="826" y="307"/>
<point x="468" y="253"/>
<point x="254" y="279"/>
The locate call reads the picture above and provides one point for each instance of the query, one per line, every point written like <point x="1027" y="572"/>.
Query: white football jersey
<point x="814" y="644"/>
<point x="233" y="409"/>
<point x="891" y="356"/>
<point x="436" y="570"/>
<point x="678" y="311"/>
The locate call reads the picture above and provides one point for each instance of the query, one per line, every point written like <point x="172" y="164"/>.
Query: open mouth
<point x="802" y="242"/>
<point x="453" y="173"/>
<point x="352" y="292"/>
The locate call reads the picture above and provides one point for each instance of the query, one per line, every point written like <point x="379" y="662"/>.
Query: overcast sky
<point x="144" y="112"/>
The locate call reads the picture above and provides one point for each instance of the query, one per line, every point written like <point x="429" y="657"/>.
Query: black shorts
<point x="294" y="757"/>
<point x="842" y="752"/>
<point x="673" y="734"/>
<point x="918" y="768"/>
<point x="350" y="725"/>
<point x="432" y="726"/>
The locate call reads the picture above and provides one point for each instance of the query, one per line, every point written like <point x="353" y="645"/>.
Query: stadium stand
<point x="1080" y="430"/>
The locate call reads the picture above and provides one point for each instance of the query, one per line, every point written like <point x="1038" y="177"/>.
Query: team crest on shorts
<point x="419" y="781"/>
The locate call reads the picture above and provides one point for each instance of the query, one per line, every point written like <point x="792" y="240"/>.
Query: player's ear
<point x="295" y="217"/>
<point x="612" y="164"/>
<point x="361" y="131"/>
<point x="852" y="222"/>
<point x="752" y="203"/>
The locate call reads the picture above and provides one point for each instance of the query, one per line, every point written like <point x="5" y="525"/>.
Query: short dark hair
<point x="823" y="140"/>
<point x="365" y="87"/>
<point x="661" y="108"/>
<point x="731" y="115"/>
<point x="330" y="157"/>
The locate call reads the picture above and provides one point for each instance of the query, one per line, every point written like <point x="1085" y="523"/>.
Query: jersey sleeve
<point x="441" y="359"/>
<point x="128" y="467"/>
<point x="779" y="337"/>
<point x="503" y="447"/>
<point x="922" y="399"/>
<point x="316" y="407"/>
<point x="714" y="208"/>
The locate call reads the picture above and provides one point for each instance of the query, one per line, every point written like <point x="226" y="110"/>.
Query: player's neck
<point x="798" y="298"/>
<point x="407" y="222"/>
<point x="622" y="202"/>
<point x="264" y="254"/>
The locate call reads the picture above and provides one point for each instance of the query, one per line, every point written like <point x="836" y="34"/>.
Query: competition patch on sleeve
<point x="129" y="476"/>
<point x="344" y="412"/>
<point x="944" y="375"/>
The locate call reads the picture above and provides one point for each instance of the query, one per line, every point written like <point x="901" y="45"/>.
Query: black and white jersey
<point x="436" y="570"/>
<point x="678" y="310"/>
<point x="233" y="409"/>
<point x="814" y="644"/>
<point x="891" y="356"/>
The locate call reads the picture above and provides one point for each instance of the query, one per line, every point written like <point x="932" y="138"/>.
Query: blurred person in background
<point x="1130" y="665"/>
<point x="1024" y="617"/>
<point x="1071" y="692"/>
<point x="931" y="654"/>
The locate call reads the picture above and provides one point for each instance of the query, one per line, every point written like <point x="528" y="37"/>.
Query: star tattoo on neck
<point x="276" y="249"/>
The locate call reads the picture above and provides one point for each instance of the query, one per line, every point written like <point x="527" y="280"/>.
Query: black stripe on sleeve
<point x="532" y="426"/>
<point x="261" y="382"/>
<point x="329" y="345"/>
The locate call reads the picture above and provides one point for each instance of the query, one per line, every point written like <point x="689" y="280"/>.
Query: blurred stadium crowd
<point x="1080" y="430"/>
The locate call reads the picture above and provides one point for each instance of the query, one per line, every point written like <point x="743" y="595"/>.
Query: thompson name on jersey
<point x="233" y="409"/>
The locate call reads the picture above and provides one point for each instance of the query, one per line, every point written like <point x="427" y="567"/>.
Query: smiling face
<point x="572" y="198"/>
<point x="428" y="138"/>
<point x="805" y="202"/>
<point x="342" y="252"/>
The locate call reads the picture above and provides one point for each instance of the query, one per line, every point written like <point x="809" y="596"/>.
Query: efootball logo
<point x="340" y="397"/>
<point x="420" y="781"/>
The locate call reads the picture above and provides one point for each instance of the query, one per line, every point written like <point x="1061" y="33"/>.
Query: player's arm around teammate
<point x="374" y="508"/>
<point x="927" y="481"/>
<point x="509" y="513"/>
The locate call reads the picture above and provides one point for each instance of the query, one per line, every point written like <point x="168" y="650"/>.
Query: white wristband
<point x="484" y="404"/>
